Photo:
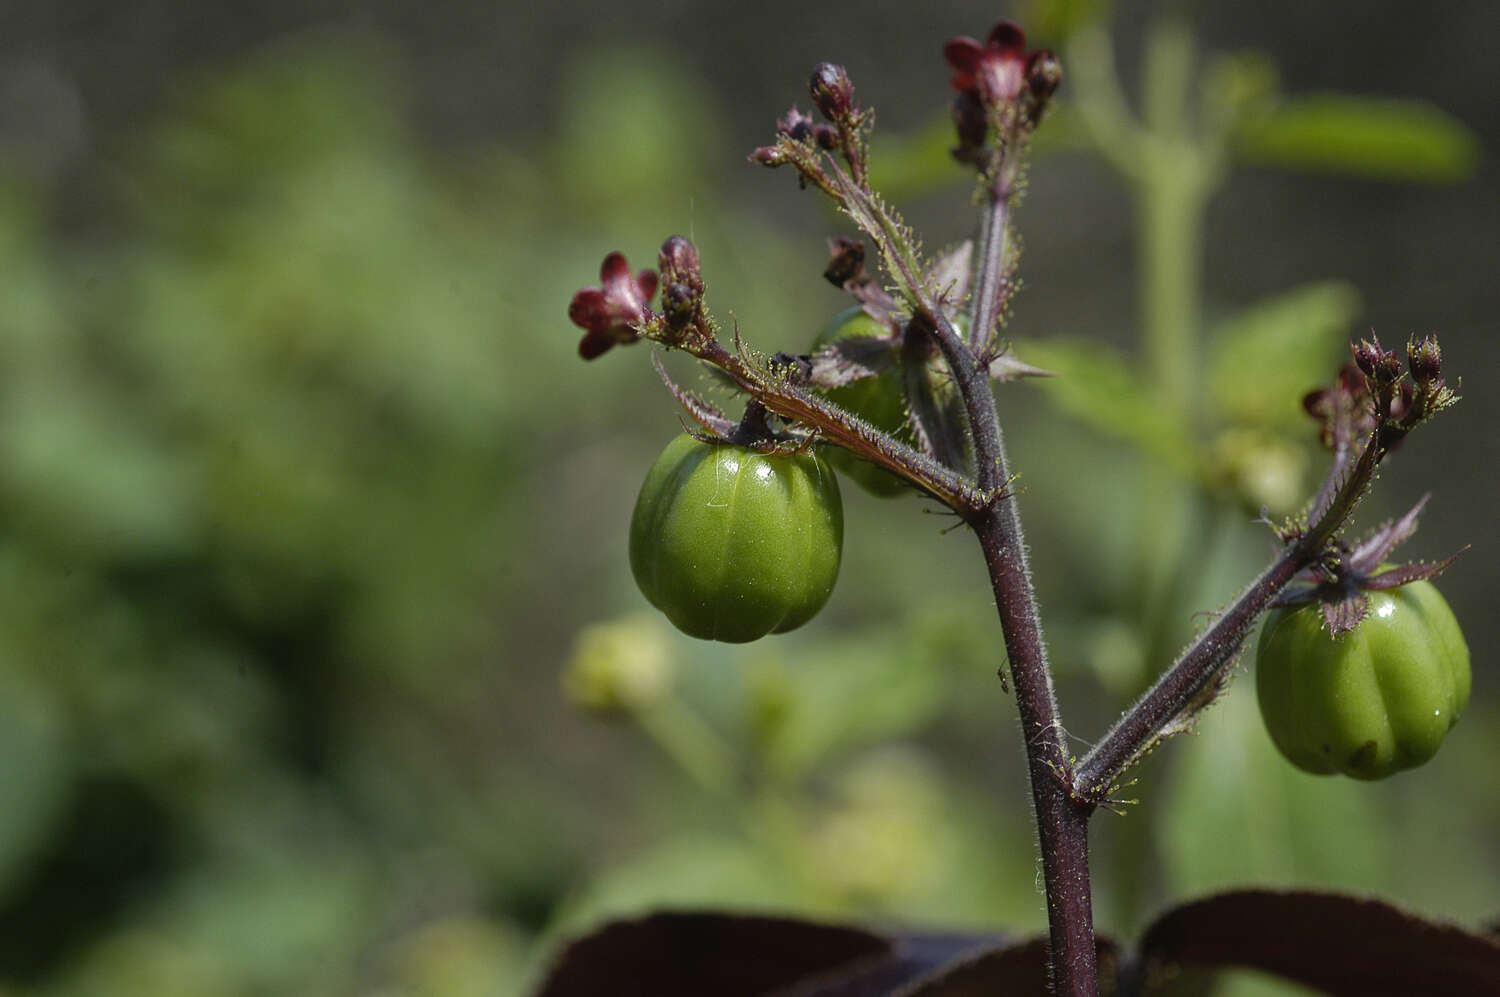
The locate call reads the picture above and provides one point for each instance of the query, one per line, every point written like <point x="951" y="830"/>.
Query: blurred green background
<point x="307" y="507"/>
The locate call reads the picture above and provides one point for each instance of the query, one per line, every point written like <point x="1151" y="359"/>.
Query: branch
<point x="794" y="402"/>
<point x="1139" y="729"/>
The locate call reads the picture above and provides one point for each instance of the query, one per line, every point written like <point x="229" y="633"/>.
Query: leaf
<point x="850" y="694"/>
<point x="1019" y="968"/>
<point x="1263" y="360"/>
<point x="1382" y="139"/>
<point x="1236" y="812"/>
<point x="1097" y="386"/>
<point x="737" y="955"/>
<point x="914" y="957"/>
<point x="1341" y="945"/>
<point x="729" y="955"/>
<point x="35" y="769"/>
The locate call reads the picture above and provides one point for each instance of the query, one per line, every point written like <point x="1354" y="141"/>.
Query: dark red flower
<point x="611" y="312"/>
<point x="996" y="70"/>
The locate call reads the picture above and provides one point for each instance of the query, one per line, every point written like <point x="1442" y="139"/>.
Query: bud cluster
<point x="1375" y="393"/>
<point x="800" y="139"/>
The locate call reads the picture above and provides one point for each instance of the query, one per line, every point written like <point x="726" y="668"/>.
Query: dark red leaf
<point x="1020" y="968"/>
<point x="694" y="955"/>
<point x="913" y="958"/>
<point x="1341" y="945"/>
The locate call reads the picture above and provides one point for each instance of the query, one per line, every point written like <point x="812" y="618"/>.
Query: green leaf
<point x="1098" y="386"/>
<point x="1382" y="139"/>
<point x="1050" y="22"/>
<point x="1262" y="360"/>
<point x="35" y="770"/>
<point x="842" y="696"/>
<point x="1237" y="813"/>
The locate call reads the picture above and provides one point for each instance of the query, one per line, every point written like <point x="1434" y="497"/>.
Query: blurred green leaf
<point x="912" y="163"/>
<point x="1050" y="22"/>
<point x="1382" y="139"/>
<point x="1239" y="813"/>
<point x="1098" y="386"/>
<point x="35" y="766"/>
<point x="844" y="695"/>
<point x="1262" y="360"/>
<point x="143" y="963"/>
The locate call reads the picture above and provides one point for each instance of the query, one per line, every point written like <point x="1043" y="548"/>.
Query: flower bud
<point x="1425" y="359"/>
<point x="768" y="155"/>
<point x="831" y="90"/>
<point x="678" y="261"/>
<point x="795" y="125"/>
<point x="971" y="123"/>
<point x="846" y="260"/>
<point x="1043" y="74"/>
<point x="679" y="305"/>
<point x="1377" y="363"/>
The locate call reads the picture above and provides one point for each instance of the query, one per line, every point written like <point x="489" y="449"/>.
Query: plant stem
<point x="1062" y="821"/>
<point x="989" y="289"/>
<point x="1062" y="824"/>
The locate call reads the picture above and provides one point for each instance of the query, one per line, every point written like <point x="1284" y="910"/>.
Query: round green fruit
<point x="1373" y="702"/>
<point x="732" y="544"/>
<point x="879" y="400"/>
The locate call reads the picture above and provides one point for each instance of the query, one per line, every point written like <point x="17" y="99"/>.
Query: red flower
<point x="611" y="312"/>
<point x="996" y="70"/>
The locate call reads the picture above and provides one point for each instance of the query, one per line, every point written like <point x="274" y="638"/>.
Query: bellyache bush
<point x="738" y="529"/>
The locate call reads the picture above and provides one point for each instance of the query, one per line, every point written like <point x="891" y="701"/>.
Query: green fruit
<point x="1376" y="700"/>
<point x="732" y="544"/>
<point x="879" y="400"/>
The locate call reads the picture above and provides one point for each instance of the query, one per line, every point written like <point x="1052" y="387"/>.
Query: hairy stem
<point x="989" y="285"/>
<point x="1062" y="822"/>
